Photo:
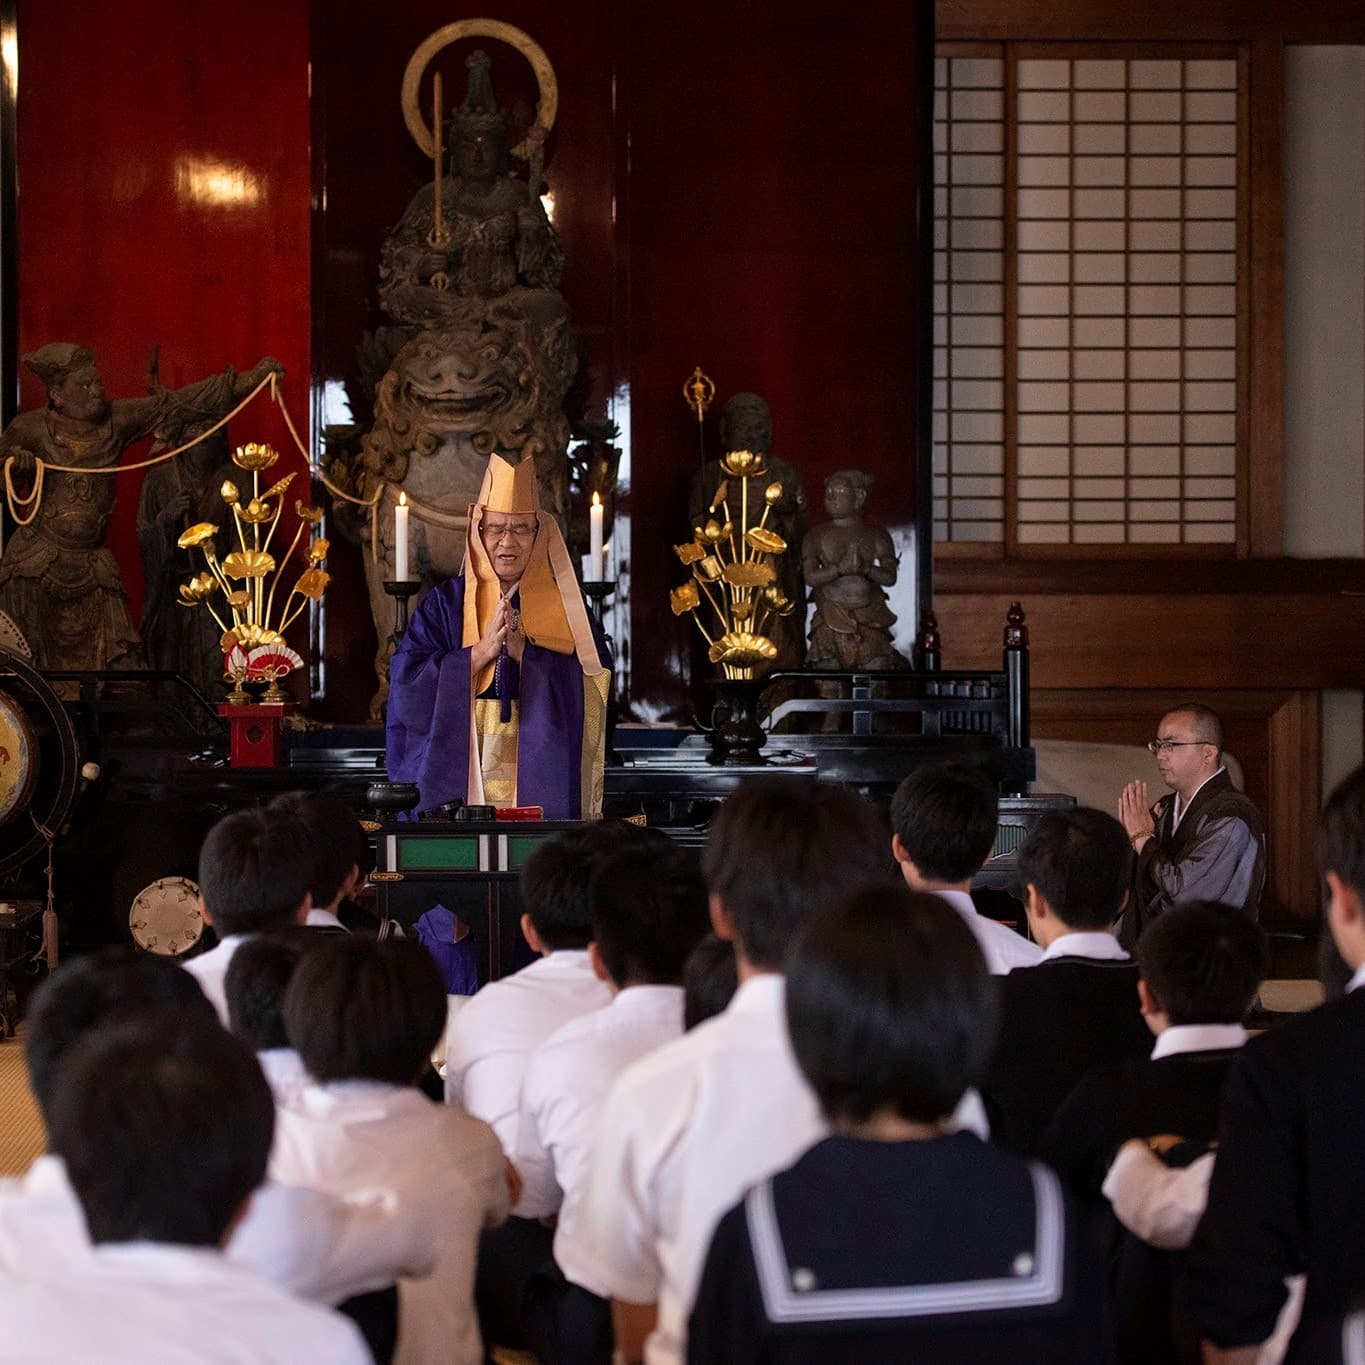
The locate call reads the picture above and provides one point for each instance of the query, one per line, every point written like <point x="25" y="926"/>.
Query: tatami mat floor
<point x="21" y="1130"/>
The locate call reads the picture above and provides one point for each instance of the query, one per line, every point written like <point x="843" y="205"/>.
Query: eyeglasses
<point x="513" y="530"/>
<point x="1159" y="746"/>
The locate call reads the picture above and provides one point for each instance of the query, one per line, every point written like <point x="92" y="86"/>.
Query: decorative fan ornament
<point x="267" y="663"/>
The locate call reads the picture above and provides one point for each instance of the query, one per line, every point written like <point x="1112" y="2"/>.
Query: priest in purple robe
<point x="498" y="690"/>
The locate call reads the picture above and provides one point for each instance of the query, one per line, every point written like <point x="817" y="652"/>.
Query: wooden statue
<point x="58" y="580"/>
<point x="849" y="564"/>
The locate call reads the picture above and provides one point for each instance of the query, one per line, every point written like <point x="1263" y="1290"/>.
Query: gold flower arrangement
<point x="732" y="572"/>
<point x="253" y="645"/>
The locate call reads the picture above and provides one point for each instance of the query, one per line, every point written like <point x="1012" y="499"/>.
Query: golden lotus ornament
<point x="278" y="486"/>
<point x="742" y="649"/>
<point x="197" y="534"/>
<point x="749" y="574"/>
<point x="317" y="551"/>
<point x="684" y="599"/>
<point x="256" y="512"/>
<point x="255" y="456"/>
<point x="313" y="583"/>
<point x="197" y="589"/>
<point x="690" y="553"/>
<point x="709" y="569"/>
<point x="772" y="494"/>
<point x="312" y="515"/>
<point x="239" y="600"/>
<point x="743" y="464"/>
<point x="764" y="541"/>
<point x="248" y="634"/>
<point x="229" y="494"/>
<point x="777" y="600"/>
<point x="248" y="564"/>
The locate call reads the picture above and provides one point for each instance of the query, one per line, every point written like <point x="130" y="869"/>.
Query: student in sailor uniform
<point x="944" y="818"/>
<point x="164" y="1134"/>
<point x="364" y="1016"/>
<point x="1288" y="1183"/>
<point x="1078" y="1007"/>
<point x="686" y="1128"/>
<point x="893" y="1240"/>
<point x="254" y="875"/>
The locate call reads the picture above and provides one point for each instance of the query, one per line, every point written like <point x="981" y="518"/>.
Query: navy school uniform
<point x="939" y="1251"/>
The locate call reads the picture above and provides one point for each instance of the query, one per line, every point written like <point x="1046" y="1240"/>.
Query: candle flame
<point x="402" y="499"/>
<point x="596" y="501"/>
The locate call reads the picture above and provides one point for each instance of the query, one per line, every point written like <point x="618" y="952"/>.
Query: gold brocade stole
<point x="497" y="751"/>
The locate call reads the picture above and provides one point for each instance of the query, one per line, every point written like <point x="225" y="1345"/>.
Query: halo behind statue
<point x="547" y="105"/>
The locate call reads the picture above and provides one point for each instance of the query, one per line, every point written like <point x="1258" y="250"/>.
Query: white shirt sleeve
<point x="609" y="1247"/>
<point x="534" y="1157"/>
<point x="1158" y="1203"/>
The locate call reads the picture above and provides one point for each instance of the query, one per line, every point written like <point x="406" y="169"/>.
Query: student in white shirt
<point x="306" y="1242"/>
<point x="164" y="1134"/>
<point x="254" y="986"/>
<point x="944" y="817"/>
<point x="364" y="1017"/>
<point x="338" y="847"/>
<point x="688" y="1127"/>
<point x="490" y="1039"/>
<point x="254" y="874"/>
<point x="648" y="912"/>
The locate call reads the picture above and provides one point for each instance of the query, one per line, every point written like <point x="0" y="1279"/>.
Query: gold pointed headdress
<point x="552" y="612"/>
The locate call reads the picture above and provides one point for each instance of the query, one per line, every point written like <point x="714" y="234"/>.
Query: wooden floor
<point x="21" y="1129"/>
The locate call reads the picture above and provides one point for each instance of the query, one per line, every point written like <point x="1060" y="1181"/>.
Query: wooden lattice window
<point x="1090" y="306"/>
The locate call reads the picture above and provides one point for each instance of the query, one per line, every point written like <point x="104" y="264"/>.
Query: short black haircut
<point x="556" y="879"/>
<point x="710" y="980"/>
<point x="254" y="871"/>
<point x="649" y="911"/>
<point x="1203" y="962"/>
<point x="782" y="846"/>
<point x="335" y="840"/>
<point x="1341" y="832"/>
<point x="164" y="1132"/>
<point x="889" y="1005"/>
<point x="359" y="1009"/>
<point x="945" y="815"/>
<point x="97" y="991"/>
<point x="1208" y="728"/>
<point x="256" y="980"/>
<point x="1082" y="864"/>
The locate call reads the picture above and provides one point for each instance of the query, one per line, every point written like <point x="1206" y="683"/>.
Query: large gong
<point x="39" y="762"/>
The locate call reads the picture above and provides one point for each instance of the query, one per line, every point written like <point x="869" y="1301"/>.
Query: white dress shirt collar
<point x="1198" y="1038"/>
<point x="1004" y="950"/>
<point x="1357" y="980"/>
<point x="1097" y="944"/>
<point x="1181" y="805"/>
<point x="319" y="917"/>
<point x="763" y="993"/>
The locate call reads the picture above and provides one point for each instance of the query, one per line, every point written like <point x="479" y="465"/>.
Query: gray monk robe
<point x="1215" y="853"/>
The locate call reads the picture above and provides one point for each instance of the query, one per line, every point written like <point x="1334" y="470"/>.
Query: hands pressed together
<point x="1135" y="814"/>
<point x="500" y="631"/>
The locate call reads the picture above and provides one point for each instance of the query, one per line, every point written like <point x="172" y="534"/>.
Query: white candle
<point x="595" y="540"/>
<point x="400" y="539"/>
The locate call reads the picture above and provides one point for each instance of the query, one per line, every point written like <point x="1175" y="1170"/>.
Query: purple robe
<point x="430" y="706"/>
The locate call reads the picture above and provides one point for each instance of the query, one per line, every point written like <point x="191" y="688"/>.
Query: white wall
<point x="1325" y="336"/>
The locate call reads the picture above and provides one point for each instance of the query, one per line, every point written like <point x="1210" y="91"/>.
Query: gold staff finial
<point x="698" y="391"/>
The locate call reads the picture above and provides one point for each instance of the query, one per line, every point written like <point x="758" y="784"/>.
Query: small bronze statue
<point x="849" y="564"/>
<point x="746" y="424"/>
<point x="58" y="580"/>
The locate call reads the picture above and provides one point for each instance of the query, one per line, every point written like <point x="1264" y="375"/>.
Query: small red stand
<point x="256" y="739"/>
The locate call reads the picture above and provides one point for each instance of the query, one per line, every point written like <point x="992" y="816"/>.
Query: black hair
<point x="1341" y="832"/>
<point x="557" y="877"/>
<point x="336" y="842"/>
<point x="889" y="1005"/>
<point x="256" y="980"/>
<point x="254" y="871"/>
<point x="359" y="1009"/>
<point x="780" y="847"/>
<point x="97" y="991"/>
<point x="1208" y="728"/>
<point x="945" y="815"/>
<point x="1203" y="962"/>
<point x="648" y="912"/>
<point x="710" y="979"/>
<point x="1082" y="864"/>
<point x="164" y="1132"/>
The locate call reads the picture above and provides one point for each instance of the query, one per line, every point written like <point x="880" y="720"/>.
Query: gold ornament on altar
<point x="733" y="573"/>
<point x="248" y="577"/>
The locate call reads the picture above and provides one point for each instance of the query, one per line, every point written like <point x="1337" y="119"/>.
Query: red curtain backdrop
<point x="164" y="197"/>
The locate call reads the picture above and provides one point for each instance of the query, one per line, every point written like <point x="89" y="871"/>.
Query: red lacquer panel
<point x="164" y="197"/>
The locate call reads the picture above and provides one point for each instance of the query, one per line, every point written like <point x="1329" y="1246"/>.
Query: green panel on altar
<point x="452" y="854"/>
